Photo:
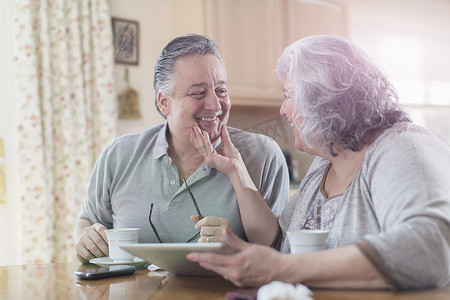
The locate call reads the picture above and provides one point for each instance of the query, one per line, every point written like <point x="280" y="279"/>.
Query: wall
<point x="159" y="22"/>
<point x="153" y="35"/>
<point x="410" y="39"/>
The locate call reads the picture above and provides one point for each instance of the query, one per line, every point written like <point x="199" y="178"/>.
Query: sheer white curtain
<point x="66" y="111"/>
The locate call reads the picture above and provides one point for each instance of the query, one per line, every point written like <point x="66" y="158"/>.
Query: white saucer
<point x="138" y="262"/>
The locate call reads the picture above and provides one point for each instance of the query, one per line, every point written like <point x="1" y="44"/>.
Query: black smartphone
<point x="104" y="272"/>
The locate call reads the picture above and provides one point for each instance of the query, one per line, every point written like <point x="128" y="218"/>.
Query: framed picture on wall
<point x="126" y="41"/>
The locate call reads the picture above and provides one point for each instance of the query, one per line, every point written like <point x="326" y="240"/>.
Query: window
<point x="410" y="40"/>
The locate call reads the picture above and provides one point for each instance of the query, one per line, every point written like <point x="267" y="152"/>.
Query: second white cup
<point x="119" y="236"/>
<point x="302" y="241"/>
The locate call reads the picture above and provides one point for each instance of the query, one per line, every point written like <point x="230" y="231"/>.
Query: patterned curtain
<point x="66" y="106"/>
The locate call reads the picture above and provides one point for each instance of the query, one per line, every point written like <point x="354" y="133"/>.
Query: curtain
<point x="66" y="107"/>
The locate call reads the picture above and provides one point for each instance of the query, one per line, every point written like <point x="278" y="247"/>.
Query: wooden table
<point x="57" y="281"/>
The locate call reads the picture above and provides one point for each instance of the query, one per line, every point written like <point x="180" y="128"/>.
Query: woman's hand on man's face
<point x="226" y="159"/>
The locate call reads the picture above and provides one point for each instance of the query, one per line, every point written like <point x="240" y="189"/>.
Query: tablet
<point x="172" y="256"/>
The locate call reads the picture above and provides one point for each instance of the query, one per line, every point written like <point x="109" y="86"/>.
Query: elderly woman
<point x="379" y="184"/>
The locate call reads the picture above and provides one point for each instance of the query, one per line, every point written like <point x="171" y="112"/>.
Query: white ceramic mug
<point x="119" y="236"/>
<point x="302" y="241"/>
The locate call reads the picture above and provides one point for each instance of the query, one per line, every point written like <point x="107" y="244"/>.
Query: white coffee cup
<point x="119" y="236"/>
<point x="302" y="241"/>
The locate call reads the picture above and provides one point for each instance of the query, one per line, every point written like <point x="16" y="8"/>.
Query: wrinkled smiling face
<point x="200" y="97"/>
<point x="287" y="110"/>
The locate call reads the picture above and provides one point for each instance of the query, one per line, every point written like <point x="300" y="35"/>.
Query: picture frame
<point x="126" y="41"/>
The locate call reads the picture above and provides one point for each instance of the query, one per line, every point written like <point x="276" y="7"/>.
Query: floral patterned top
<point x="323" y="210"/>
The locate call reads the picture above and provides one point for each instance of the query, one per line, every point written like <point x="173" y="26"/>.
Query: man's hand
<point x="211" y="228"/>
<point x="92" y="242"/>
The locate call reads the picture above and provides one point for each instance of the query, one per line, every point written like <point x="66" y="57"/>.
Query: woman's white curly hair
<point x="342" y="96"/>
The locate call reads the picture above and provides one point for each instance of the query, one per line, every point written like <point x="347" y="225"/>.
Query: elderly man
<point x="146" y="176"/>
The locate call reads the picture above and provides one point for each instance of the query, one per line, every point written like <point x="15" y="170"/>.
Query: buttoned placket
<point x="172" y="188"/>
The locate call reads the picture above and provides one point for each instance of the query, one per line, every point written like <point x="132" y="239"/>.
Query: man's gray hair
<point x="187" y="45"/>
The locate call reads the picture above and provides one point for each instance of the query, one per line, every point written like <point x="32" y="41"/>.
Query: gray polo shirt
<point x="135" y="171"/>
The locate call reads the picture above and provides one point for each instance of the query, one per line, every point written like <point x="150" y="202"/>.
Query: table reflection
<point x="58" y="281"/>
<point x="137" y="286"/>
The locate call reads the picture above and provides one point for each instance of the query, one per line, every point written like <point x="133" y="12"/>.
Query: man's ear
<point x="163" y="103"/>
